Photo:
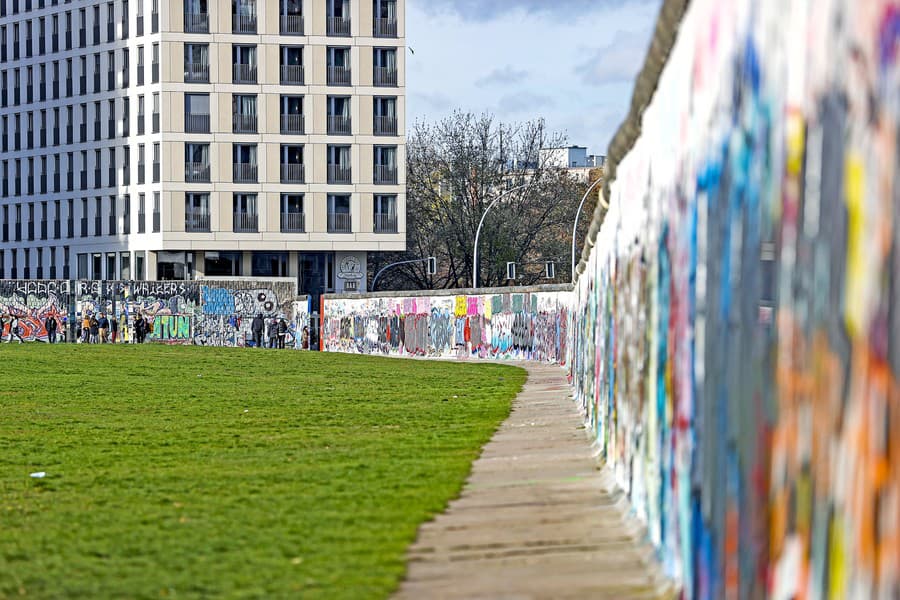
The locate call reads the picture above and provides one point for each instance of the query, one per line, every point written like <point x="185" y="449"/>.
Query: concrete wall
<point x="206" y="312"/>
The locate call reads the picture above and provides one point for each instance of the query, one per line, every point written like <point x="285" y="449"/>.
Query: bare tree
<point x="455" y="169"/>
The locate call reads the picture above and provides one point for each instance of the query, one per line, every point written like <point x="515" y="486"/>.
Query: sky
<point x="572" y="62"/>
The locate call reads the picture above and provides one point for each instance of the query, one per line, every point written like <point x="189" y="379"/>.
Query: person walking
<point x="256" y="328"/>
<point x="86" y="328"/>
<point x="103" y="324"/>
<point x="281" y="329"/>
<point x="51" y="325"/>
<point x="94" y="328"/>
<point x="113" y="329"/>
<point x="13" y="323"/>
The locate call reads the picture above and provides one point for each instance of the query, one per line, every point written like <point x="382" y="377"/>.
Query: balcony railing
<point x="338" y="174"/>
<point x="245" y="172"/>
<point x="196" y="123"/>
<point x="385" y="76"/>
<point x="385" y="126"/>
<point x="196" y="222"/>
<point x="292" y="24"/>
<point x="292" y="124"/>
<point x="196" y="172"/>
<point x="246" y="223"/>
<point x="293" y="222"/>
<point x="243" y="123"/>
<point x="338" y="75"/>
<point x="157" y="220"/>
<point x="384" y="174"/>
<point x="292" y="173"/>
<point x="244" y="73"/>
<point x="291" y="74"/>
<point x="338" y="125"/>
<point x="339" y="223"/>
<point x="243" y="23"/>
<point x="385" y="223"/>
<point x="196" y="72"/>
<point x="337" y="26"/>
<point x="385" y="28"/>
<point x="196" y="22"/>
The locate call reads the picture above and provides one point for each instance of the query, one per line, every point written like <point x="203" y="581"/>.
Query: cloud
<point x="482" y="10"/>
<point x="524" y="102"/>
<point x="618" y="61"/>
<point x="505" y="76"/>
<point x="435" y="101"/>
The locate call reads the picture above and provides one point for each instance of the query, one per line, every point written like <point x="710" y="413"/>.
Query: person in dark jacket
<point x="113" y="329"/>
<point x="103" y="324"/>
<point x="281" y="330"/>
<point x="256" y="328"/>
<point x="140" y="328"/>
<point x="272" y="332"/>
<point x="51" y="325"/>
<point x="95" y="330"/>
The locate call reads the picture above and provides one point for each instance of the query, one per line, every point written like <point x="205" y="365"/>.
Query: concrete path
<point x="538" y="518"/>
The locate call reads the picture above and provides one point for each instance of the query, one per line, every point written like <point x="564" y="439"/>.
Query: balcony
<point x="196" y="172"/>
<point x="338" y="125"/>
<point x="384" y="174"/>
<point x="385" y="126"/>
<point x="196" y="73"/>
<point x="339" y="223"/>
<point x="385" y="223"/>
<point x="293" y="223"/>
<point x="196" y="123"/>
<point x="338" y="174"/>
<point x="243" y="23"/>
<point x="156" y="221"/>
<point x="385" y="28"/>
<point x="338" y="76"/>
<point x="292" y="124"/>
<point x="156" y="122"/>
<point x="196" y="223"/>
<point x="337" y="26"/>
<point x="243" y="123"/>
<point x="291" y="25"/>
<point x="291" y="74"/>
<point x="293" y="173"/>
<point x="246" y="223"/>
<point x="196" y="22"/>
<point x="244" y="73"/>
<point x="385" y="77"/>
<point x="245" y="172"/>
<point x="156" y="172"/>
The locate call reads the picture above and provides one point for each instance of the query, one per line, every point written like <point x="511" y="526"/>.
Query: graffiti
<point x="171" y="328"/>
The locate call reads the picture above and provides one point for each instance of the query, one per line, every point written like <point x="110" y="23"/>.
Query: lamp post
<point x="575" y="226"/>
<point x="404" y="262"/>
<point x="478" y="231"/>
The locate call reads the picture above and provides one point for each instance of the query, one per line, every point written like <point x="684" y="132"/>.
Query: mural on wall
<point x="521" y="324"/>
<point x="210" y="313"/>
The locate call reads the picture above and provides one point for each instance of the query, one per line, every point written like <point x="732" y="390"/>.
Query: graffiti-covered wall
<point x="737" y="343"/>
<point x="520" y="323"/>
<point x="206" y="312"/>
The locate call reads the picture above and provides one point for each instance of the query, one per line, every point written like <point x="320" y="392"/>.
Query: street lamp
<point x="575" y="227"/>
<point x="478" y="231"/>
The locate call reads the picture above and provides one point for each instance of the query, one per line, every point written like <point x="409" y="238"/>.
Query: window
<point x="337" y="17"/>
<point x="142" y="171"/>
<point x="156" y="214"/>
<point x="292" y="217"/>
<point x="141" y="117"/>
<point x="223" y="264"/>
<point x="196" y="163"/>
<point x="196" y="212"/>
<point x="291" y="17"/>
<point x="245" y="216"/>
<point x="385" y="65"/>
<point x="269" y="264"/>
<point x="338" y="115"/>
<point x="385" y="164"/>
<point x="339" y="164"/>
<point x="196" y="63"/>
<point x="140" y="65"/>
<point x="156" y="160"/>
<point x="196" y="113"/>
<point x="243" y="110"/>
<point x="385" y="213"/>
<point x="110" y="70"/>
<point x="339" y="219"/>
<point x="196" y="16"/>
<point x="292" y="168"/>
<point x="155" y="64"/>
<point x="243" y="16"/>
<point x="245" y="164"/>
<point x="292" y="115"/>
<point x="291" y="65"/>
<point x="142" y="213"/>
<point x="244" y="64"/>
<point x="337" y="66"/>
<point x="155" y="112"/>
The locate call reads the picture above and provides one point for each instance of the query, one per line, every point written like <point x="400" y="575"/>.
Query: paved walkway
<point x="537" y="518"/>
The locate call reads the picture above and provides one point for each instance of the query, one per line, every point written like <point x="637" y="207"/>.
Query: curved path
<point x="538" y="518"/>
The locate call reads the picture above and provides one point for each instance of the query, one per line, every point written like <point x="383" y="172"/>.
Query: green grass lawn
<point x="187" y="472"/>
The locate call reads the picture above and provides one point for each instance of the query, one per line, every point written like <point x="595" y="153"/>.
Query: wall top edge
<point x="530" y="289"/>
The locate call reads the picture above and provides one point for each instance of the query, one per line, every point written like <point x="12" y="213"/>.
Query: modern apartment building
<point x="174" y="139"/>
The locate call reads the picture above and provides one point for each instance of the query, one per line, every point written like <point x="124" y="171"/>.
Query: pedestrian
<point x="139" y="328"/>
<point x="281" y="330"/>
<point x="94" y="328"/>
<point x="256" y="328"/>
<point x="86" y="328"/>
<point x="103" y="324"/>
<point x="51" y="325"/>
<point x="272" y="333"/>
<point x="14" y="328"/>
<point x="113" y="328"/>
<point x="304" y="339"/>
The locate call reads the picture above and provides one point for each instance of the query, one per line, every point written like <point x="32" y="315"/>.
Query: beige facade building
<point x="275" y="136"/>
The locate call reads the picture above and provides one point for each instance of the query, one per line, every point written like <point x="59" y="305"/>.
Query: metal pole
<point x="402" y="262"/>
<point x="478" y="231"/>
<point x="575" y="227"/>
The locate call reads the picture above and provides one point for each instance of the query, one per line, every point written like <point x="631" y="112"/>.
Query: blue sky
<point x="572" y="62"/>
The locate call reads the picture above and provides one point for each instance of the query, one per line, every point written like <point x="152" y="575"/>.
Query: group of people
<point x="99" y="329"/>
<point x="276" y="332"/>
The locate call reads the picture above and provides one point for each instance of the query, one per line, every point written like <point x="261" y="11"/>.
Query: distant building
<point x="574" y="159"/>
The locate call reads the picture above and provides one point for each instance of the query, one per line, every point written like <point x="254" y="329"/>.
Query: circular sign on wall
<point x="350" y="268"/>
